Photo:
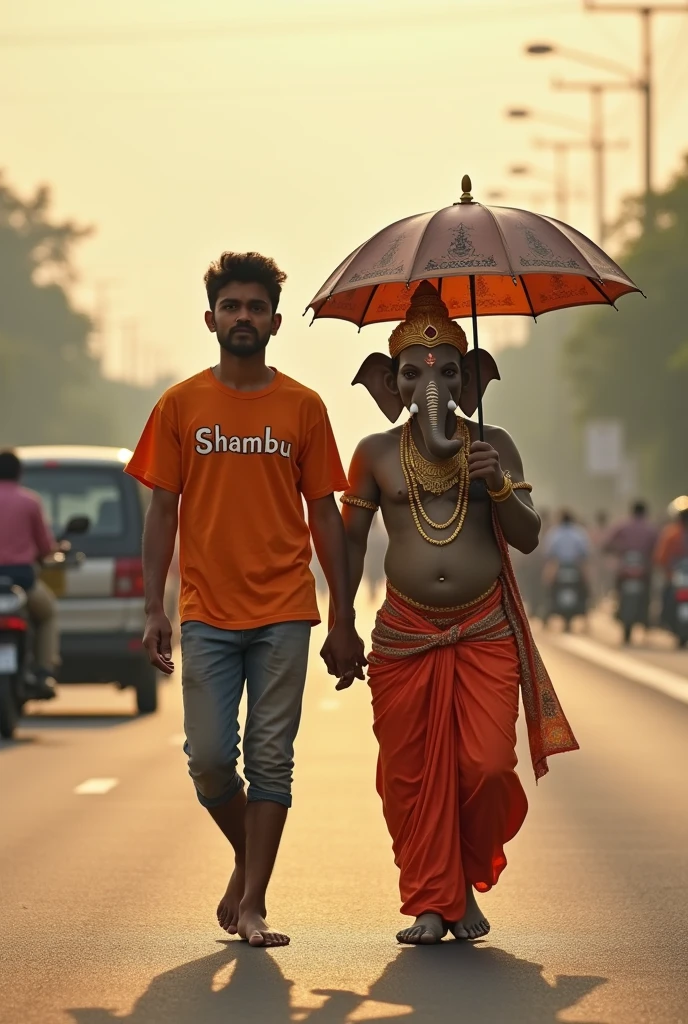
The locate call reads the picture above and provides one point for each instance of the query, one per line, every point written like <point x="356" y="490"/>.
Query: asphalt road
<point x="107" y="898"/>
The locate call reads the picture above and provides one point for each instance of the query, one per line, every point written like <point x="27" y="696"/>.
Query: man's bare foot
<point x="426" y="931"/>
<point x="473" y="924"/>
<point x="228" y="907"/>
<point x="254" y="928"/>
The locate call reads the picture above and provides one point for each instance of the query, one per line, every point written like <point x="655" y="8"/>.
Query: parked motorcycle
<point x="633" y="586"/>
<point x="678" y="602"/>
<point x="16" y="647"/>
<point x="568" y="595"/>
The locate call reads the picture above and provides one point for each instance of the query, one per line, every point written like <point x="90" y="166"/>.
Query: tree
<point x="634" y="365"/>
<point x="51" y="386"/>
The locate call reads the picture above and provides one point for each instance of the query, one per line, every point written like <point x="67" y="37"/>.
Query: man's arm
<point x="357" y="523"/>
<point x="489" y="460"/>
<point x="159" y="535"/>
<point x="343" y="649"/>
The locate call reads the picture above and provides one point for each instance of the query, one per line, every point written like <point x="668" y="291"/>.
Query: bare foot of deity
<point x="427" y="930"/>
<point x="254" y="928"/>
<point x="473" y="924"/>
<point x="228" y="907"/>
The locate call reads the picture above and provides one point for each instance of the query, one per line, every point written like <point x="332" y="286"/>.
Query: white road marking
<point x="670" y="683"/>
<point x="177" y="740"/>
<point x="92" y="787"/>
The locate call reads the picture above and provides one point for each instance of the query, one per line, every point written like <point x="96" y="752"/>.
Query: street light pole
<point x="645" y="83"/>
<point x="598" y="143"/>
<point x="646" y="87"/>
<point x="560" y="149"/>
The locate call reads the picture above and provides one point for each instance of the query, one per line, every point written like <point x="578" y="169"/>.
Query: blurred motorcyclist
<point x="632" y="543"/>
<point x="567" y="545"/>
<point x="25" y="539"/>
<point x="672" y="547"/>
<point x="636" y="533"/>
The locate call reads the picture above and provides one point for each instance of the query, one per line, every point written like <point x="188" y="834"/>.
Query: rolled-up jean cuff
<point x="262" y="794"/>
<point x="217" y="801"/>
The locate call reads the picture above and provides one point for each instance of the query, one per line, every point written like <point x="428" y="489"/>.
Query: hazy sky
<point x="298" y="129"/>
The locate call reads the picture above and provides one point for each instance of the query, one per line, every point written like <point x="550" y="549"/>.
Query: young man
<point x="243" y="445"/>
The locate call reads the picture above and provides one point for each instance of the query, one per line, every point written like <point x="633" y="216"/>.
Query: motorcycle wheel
<point x="9" y="712"/>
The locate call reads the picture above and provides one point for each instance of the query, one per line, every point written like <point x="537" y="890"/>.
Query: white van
<point x="100" y="600"/>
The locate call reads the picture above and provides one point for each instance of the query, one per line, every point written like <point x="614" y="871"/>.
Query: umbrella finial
<point x="466" y="186"/>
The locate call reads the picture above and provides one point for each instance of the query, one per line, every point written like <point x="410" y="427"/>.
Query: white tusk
<point x="413" y="408"/>
<point x="451" y="405"/>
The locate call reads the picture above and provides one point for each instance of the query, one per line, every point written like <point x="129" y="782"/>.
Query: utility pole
<point x="644" y="84"/>
<point x="598" y="143"/>
<point x="560" y="148"/>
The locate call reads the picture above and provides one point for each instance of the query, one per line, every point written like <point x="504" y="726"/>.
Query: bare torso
<point x="439" y="576"/>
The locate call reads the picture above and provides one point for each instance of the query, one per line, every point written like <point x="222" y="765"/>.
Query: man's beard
<point x="244" y="350"/>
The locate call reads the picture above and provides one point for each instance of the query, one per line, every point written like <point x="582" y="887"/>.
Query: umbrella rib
<point x="606" y="298"/>
<point x="527" y="295"/>
<point x="367" y="307"/>
<point x="504" y="245"/>
<point x="420" y="242"/>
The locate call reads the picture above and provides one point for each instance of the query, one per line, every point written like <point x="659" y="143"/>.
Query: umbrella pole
<point x="476" y="349"/>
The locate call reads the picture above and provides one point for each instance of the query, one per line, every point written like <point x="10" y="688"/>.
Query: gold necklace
<point x="435" y="477"/>
<point x="450" y="472"/>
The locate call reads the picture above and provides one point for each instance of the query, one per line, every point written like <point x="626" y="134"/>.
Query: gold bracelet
<point x="351" y="499"/>
<point x="505" y="490"/>
<point x="521" y="485"/>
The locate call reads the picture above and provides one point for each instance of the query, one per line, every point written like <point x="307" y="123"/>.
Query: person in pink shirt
<point x="25" y="539"/>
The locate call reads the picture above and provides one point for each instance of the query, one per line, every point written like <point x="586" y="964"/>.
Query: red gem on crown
<point x="430" y="332"/>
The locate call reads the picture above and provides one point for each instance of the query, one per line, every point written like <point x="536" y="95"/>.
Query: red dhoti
<point x="445" y="689"/>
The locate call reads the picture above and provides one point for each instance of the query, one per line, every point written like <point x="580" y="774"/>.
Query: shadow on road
<point x="455" y="981"/>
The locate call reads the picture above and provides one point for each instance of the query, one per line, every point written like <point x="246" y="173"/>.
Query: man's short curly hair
<point x="248" y="268"/>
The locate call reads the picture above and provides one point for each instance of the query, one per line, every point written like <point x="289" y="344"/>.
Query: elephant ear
<point x="376" y="375"/>
<point x="488" y="371"/>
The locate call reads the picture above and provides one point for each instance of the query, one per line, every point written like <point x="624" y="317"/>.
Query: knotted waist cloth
<point x="445" y="689"/>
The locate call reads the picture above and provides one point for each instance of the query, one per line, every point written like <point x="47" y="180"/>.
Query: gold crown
<point x="427" y="323"/>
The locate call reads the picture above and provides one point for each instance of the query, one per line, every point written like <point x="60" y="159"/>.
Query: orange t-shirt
<point x="242" y="461"/>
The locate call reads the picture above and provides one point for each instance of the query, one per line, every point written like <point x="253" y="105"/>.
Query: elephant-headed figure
<point x="429" y="371"/>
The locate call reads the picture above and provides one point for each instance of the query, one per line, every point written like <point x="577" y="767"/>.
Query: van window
<point x="67" y="492"/>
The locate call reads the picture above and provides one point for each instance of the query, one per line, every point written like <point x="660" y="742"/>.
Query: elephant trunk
<point x="432" y="418"/>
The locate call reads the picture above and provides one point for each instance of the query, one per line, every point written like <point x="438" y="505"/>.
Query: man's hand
<point x="343" y="652"/>
<point x="483" y="464"/>
<point x="157" y="639"/>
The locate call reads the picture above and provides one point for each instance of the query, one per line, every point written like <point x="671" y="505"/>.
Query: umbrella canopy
<point x="522" y="263"/>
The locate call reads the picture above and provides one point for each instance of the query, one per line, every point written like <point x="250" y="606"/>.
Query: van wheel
<point x="9" y="712"/>
<point x="146" y="685"/>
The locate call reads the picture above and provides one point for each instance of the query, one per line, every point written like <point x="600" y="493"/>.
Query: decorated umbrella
<point x="483" y="260"/>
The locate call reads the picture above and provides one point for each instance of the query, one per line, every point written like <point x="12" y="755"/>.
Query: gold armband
<point x="505" y="490"/>
<point x="521" y="485"/>
<point x="351" y="499"/>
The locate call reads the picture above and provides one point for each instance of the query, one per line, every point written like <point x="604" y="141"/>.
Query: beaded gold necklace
<point x="436" y="478"/>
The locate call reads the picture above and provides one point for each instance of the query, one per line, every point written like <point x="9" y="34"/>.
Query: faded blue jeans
<point x="272" y="661"/>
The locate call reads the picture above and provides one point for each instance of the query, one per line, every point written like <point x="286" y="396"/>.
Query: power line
<point x="117" y="36"/>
